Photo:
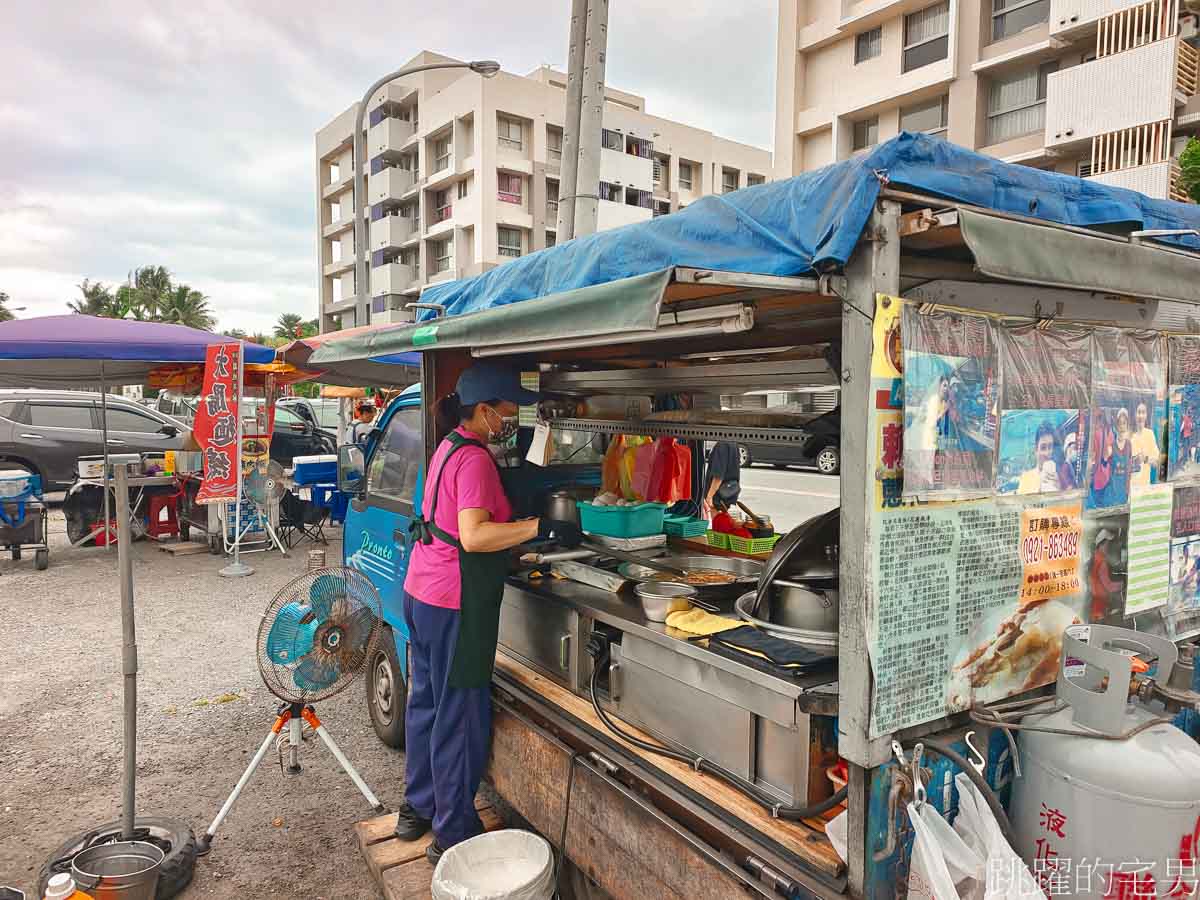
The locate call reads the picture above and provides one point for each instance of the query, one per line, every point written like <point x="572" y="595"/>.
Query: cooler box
<point x="320" y="469"/>
<point x="17" y="484"/>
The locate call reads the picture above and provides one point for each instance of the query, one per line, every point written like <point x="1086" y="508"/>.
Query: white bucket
<point x="500" y="865"/>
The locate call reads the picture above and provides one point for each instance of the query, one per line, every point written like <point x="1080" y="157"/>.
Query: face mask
<point x="508" y="427"/>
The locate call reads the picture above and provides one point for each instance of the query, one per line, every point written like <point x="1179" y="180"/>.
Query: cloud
<point x="181" y="133"/>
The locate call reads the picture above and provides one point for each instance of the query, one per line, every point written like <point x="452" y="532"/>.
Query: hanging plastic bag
<point x="1003" y="874"/>
<point x="610" y="467"/>
<point x="643" y="467"/>
<point x="671" y="477"/>
<point x="943" y="866"/>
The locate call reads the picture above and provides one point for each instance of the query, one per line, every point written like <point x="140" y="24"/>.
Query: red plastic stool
<point x="168" y="527"/>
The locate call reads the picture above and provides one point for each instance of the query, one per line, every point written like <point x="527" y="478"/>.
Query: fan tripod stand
<point x="291" y="715"/>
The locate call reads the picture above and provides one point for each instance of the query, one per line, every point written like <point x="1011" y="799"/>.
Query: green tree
<point x="259" y="338"/>
<point x="6" y="314"/>
<point x="237" y="334"/>
<point x="290" y="326"/>
<point x="149" y="295"/>
<point x="96" y="300"/>
<point x="185" y="305"/>
<point x="1189" y="165"/>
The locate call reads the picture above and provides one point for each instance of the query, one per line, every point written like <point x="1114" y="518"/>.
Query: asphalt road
<point x="788" y="496"/>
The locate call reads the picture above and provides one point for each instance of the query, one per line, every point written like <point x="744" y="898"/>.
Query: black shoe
<point x="434" y="852"/>
<point x="410" y="825"/>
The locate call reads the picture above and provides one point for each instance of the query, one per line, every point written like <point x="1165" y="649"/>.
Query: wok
<point x="746" y="572"/>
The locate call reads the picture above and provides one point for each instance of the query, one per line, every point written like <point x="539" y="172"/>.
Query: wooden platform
<point x="400" y="867"/>
<point x="183" y="548"/>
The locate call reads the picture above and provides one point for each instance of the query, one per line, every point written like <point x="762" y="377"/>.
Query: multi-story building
<point x="464" y="175"/>
<point x="1103" y="89"/>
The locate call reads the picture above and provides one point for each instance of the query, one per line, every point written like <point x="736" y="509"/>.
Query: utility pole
<point x="591" y="119"/>
<point x="570" y="143"/>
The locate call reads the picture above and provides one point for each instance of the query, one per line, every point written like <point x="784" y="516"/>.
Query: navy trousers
<point x="447" y="729"/>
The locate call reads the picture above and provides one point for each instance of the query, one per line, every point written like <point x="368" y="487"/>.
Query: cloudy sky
<point x="181" y="133"/>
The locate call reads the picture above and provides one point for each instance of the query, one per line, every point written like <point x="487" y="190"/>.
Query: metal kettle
<point x="561" y="505"/>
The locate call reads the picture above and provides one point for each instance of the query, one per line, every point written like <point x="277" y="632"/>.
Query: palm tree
<point x="185" y="305"/>
<point x="97" y="300"/>
<point x="152" y="288"/>
<point x="6" y="314"/>
<point x="290" y="326"/>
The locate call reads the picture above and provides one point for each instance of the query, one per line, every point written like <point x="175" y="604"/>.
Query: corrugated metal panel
<point x="825" y="401"/>
<point x="1153" y="181"/>
<point x="1136" y="87"/>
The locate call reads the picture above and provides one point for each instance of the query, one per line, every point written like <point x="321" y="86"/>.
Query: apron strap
<point x="425" y="528"/>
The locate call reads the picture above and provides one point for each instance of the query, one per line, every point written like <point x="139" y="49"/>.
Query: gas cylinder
<point x="1103" y="808"/>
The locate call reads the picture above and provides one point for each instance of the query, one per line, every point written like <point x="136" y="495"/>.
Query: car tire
<point x="16" y="554"/>
<point x="745" y="460"/>
<point x="387" y="691"/>
<point x="175" y="872"/>
<point x="829" y="461"/>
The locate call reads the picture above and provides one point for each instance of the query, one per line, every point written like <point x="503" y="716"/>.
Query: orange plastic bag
<point x="610" y="466"/>
<point x="671" y="476"/>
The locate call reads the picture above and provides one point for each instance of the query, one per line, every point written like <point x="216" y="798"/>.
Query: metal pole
<point x="104" y="438"/>
<point x="128" y="646"/>
<point x="237" y="568"/>
<point x="591" y="119"/>
<point x="570" y="143"/>
<point x="486" y="68"/>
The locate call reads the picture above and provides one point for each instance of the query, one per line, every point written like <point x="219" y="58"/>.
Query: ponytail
<point x="448" y="414"/>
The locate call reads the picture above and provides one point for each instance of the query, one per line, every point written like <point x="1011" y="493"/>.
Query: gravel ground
<point x="202" y="711"/>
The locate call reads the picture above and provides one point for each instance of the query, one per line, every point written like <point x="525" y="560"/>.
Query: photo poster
<point x="1128" y="416"/>
<point x="1046" y="382"/>
<point x="1183" y="596"/>
<point x="950" y="398"/>
<point x="887" y="407"/>
<point x="1183" y="415"/>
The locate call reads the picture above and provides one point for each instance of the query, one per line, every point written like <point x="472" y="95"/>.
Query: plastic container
<point x="718" y="539"/>
<point x="684" y="526"/>
<point x="622" y="521"/>
<point x="62" y="887"/>
<point x="752" y="546"/>
<point x="500" y="865"/>
<point x="127" y="870"/>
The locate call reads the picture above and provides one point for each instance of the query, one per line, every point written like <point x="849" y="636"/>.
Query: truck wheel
<point x="173" y="838"/>
<point x="16" y="554"/>
<point x="387" y="691"/>
<point x="41" y="560"/>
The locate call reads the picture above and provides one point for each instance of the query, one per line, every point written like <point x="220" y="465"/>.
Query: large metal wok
<point x="721" y="596"/>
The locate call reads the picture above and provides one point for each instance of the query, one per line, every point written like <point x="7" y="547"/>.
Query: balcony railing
<point x="509" y="196"/>
<point x="1134" y="26"/>
<point x="442" y="213"/>
<point x="551" y="210"/>
<point x="1143" y="145"/>
<point x="1187" y="70"/>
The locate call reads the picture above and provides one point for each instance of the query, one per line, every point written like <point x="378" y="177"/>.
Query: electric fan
<point x="313" y="641"/>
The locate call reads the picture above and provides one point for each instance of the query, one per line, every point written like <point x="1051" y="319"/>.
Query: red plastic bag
<point x="671" y="475"/>
<point x="643" y="467"/>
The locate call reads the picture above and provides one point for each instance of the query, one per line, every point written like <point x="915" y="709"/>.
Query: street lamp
<point x="485" y="67"/>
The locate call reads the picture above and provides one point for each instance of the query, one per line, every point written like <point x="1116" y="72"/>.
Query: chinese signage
<point x="1049" y="550"/>
<point x="216" y="425"/>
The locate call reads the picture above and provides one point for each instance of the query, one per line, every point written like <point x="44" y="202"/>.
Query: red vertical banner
<point x="216" y="425"/>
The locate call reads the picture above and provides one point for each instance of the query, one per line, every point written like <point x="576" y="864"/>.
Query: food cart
<point x="960" y="303"/>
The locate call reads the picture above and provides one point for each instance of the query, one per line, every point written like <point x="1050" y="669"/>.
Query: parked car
<point x="322" y="412"/>
<point x="821" y="448"/>
<point x="47" y="431"/>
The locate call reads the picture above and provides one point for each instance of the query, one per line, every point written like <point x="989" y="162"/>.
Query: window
<point x="929" y="117"/>
<point x="868" y="45"/>
<point x="612" y="140"/>
<point x="1083" y="168"/>
<point x="552" y="200"/>
<point x="510" y="187"/>
<point x="443" y="254"/>
<point x="729" y="180"/>
<point x="685" y="176"/>
<point x="866" y="133"/>
<point x="511" y="133"/>
<point x="752" y="179"/>
<point x="395" y="465"/>
<point x="441" y="153"/>
<point x="464" y="189"/>
<point x="551" y="238"/>
<point x="509" y="241"/>
<point x="131" y="420"/>
<point x="609" y="192"/>
<point x="636" y="197"/>
<point x="554" y="138"/>
<point x="442" y="208"/>
<point x="639" y="147"/>
<point x="661" y="208"/>
<point x="1017" y="103"/>
<point x="661" y="168"/>
<point x="1011" y="17"/>
<point x="61" y="415"/>
<point x="926" y="36"/>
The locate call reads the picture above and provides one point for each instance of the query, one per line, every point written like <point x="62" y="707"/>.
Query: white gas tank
<point x="1095" y="815"/>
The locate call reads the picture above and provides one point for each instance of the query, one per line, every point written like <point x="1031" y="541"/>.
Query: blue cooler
<point x="308" y="470"/>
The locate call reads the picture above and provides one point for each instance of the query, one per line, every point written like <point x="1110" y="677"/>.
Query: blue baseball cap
<point x="492" y="380"/>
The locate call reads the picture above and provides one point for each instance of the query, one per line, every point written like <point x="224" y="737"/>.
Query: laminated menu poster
<point x="1183" y="414"/>
<point x="950" y="396"/>
<point x="950" y="627"/>
<point x="1046" y="383"/>
<point x="1150" y="518"/>
<point x="1128" y="416"/>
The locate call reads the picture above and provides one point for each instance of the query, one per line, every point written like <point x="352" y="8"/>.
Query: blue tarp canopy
<point x="811" y="222"/>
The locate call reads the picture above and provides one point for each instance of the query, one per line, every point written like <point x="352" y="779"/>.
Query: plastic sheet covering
<point x="1046" y="386"/>
<point x="500" y="865"/>
<point x="811" y="222"/>
<point x="950" y="398"/>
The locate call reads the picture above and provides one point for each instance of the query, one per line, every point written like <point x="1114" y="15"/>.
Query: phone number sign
<point x="1049" y="550"/>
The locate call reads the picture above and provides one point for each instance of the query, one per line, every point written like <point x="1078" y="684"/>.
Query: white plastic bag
<point x="500" y="865"/>
<point x="836" y="830"/>
<point x="1004" y="875"/>
<point x="943" y="867"/>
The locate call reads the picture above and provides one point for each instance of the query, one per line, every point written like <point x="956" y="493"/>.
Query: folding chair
<point x="299" y="519"/>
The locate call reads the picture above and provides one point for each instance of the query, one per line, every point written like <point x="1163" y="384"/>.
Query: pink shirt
<point x="470" y="481"/>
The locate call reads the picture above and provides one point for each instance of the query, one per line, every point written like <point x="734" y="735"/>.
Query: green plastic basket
<point x="718" y="539"/>
<point x="751" y="546"/>
<point x="684" y="526"/>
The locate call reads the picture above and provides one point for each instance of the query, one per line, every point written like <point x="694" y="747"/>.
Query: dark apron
<point x="482" y="576"/>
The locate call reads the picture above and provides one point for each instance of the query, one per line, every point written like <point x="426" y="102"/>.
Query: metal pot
<point x="816" y="639"/>
<point x="796" y="605"/>
<point x="661" y="599"/>
<point x="561" y="505"/>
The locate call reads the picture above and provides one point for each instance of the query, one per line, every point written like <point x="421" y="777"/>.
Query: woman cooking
<point x="452" y="598"/>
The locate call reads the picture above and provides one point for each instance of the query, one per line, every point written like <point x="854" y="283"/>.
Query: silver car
<point x="47" y="431"/>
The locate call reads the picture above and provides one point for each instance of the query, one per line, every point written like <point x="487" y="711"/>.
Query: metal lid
<point x="796" y="547"/>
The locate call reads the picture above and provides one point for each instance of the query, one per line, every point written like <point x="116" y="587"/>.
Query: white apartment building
<point x="463" y="175"/>
<point x="1103" y="89"/>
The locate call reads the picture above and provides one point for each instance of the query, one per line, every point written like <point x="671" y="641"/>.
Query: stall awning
<point x="1028" y="252"/>
<point x="619" y="309"/>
